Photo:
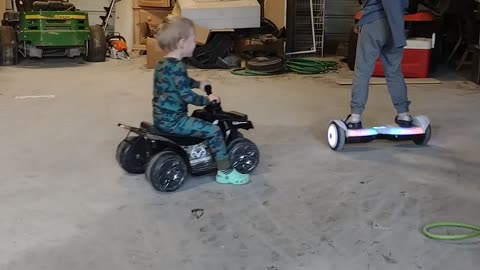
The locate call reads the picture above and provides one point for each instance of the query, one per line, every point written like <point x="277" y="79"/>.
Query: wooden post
<point x="3" y="7"/>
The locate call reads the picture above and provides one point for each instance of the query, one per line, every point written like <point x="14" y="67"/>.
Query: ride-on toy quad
<point x="338" y="134"/>
<point x="167" y="159"/>
<point x="49" y="28"/>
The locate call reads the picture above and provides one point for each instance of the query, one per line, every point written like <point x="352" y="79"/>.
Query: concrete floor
<point x="66" y="204"/>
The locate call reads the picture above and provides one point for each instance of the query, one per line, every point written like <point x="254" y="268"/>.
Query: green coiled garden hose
<point x="475" y="231"/>
<point x="308" y="66"/>
<point x="297" y="65"/>
<point x="245" y="72"/>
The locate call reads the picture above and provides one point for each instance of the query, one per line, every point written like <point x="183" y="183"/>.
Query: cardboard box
<point x="222" y="14"/>
<point x="154" y="53"/>
<point x="275" y="10"/>
<point x="144" y="17"/>
<point x="201" y="33"/>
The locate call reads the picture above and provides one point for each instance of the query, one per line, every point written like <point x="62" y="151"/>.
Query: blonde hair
<point x="171" y="30"/>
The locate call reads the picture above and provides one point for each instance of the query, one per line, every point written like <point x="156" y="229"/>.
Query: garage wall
<point x="339" y="15"/>
<point x="3" y="7"/>
<point x="275" y="11"/>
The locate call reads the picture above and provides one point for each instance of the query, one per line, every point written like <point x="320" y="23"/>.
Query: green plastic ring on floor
<point x="475" y="231"/>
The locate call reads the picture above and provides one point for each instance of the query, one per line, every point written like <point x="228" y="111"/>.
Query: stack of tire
<point x="8" y="46"/>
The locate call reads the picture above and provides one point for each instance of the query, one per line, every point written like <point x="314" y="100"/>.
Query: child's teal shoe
<point x="232" y="177"/>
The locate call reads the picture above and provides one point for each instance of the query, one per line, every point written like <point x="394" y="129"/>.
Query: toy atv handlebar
<point x="208" y="90"/>
<point x="214" y="105"/>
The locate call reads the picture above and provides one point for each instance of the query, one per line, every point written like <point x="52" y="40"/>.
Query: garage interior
<point x="66" y="203"/>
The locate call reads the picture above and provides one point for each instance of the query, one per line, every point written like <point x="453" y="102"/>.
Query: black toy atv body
<point x="167" y="159"/>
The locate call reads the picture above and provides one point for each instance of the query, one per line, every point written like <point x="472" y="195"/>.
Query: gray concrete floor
<point x="66" y="204"/>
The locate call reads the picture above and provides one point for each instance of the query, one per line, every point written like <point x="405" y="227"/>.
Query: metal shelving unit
<point x="319" y="24"/>
<point x="306" y="20"/>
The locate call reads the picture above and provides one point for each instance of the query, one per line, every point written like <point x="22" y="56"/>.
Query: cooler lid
<point x="419" y="43"/>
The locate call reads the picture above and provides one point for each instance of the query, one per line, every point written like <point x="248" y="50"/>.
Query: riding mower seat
<point x="178" y="139"/>
<point x="48" y="5"/>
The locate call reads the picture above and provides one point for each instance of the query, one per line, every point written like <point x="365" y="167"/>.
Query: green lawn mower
<point x="49" y="28"/>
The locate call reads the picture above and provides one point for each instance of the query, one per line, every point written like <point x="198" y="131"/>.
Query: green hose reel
<point x="296" y="65"/>
<point x="306" y="66"/>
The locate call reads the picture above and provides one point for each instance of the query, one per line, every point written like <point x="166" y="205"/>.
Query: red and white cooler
<point x="416" y="59"/>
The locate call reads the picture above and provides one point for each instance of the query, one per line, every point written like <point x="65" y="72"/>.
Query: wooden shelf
<point x="153" y="3"/>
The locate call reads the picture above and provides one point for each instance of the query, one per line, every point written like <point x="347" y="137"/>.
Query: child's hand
<point x="204" y="83"/>
<point x="213" y="98"/>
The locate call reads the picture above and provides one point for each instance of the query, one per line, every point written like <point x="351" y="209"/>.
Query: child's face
<point x="188" y="45"/>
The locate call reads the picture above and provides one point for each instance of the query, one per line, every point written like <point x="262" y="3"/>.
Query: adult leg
<point x="391" y="58"/>
<point x="370" y="42"/>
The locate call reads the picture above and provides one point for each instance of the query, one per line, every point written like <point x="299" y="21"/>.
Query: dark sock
<point x="227" y="171"/>
<point x="404" y="117"/>
<point x="354" y="118"/>
<point x="354" y="121"/>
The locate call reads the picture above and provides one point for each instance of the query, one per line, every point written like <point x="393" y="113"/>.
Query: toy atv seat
<point x="181" y="140"/>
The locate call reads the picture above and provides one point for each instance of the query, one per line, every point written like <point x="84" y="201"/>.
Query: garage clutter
<point x="227" y="32"/>
<point x="231" y="35"/>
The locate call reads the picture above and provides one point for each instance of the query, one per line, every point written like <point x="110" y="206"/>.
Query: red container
<point x="416" y="59"/>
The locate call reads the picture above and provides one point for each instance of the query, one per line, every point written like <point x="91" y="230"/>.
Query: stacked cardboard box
<point x="147" y="15"/>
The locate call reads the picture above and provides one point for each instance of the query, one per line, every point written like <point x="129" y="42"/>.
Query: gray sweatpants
<point x="375" y="40"/>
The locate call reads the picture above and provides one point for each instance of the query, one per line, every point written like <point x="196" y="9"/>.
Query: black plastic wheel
<point x="424" y="139"/>
<point x="336" y="137"/>
<point x="131" y="156"/>
<point x="166" y="171"/>
<point x="8" y="46"/>
<point x="244" y="155"/>
<point x="233" y="136"/>
<point x="352" y="49"/>
<point x="96" y="50"/>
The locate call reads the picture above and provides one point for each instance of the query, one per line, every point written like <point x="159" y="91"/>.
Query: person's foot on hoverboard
<point x="232" y="176"/>
<point x="404" y="120"/>
<point x="353" y="121"/>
